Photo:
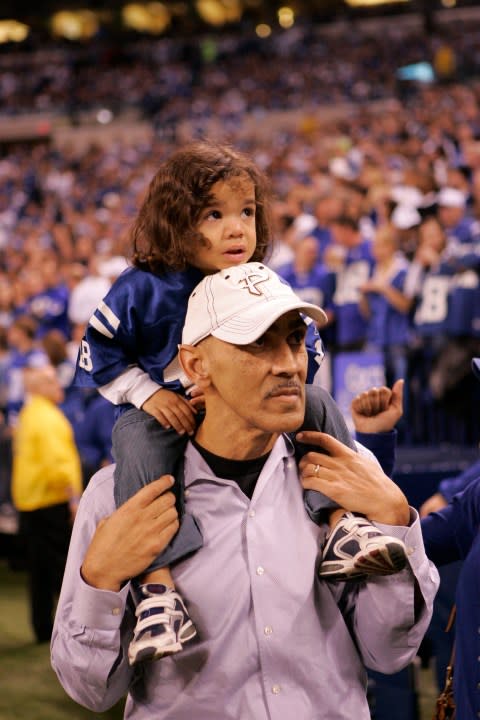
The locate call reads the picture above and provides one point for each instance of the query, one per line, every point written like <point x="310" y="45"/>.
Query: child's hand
<point x="378" y="409"/>
<point x="171" y="410"/>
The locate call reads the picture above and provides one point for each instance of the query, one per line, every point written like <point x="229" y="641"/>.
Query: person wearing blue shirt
<point x="350" y="257"/>
<point x="451" y="534"/>
<point x="25" y="352"/>
<point x="386" y="306"/>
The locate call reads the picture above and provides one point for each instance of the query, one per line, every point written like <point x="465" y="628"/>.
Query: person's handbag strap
<point x="445" y="705"/>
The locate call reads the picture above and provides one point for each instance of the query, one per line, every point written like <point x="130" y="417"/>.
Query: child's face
<point x="228" y="226"/>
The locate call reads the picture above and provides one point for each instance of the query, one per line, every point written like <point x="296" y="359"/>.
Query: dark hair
<point x="164" y="234"/>
<point x="26" y="324"/>
<point x="346" y="221"/>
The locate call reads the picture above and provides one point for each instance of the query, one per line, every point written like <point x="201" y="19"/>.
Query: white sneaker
<point x="355" y="548"/>
<point x="163" y="624"/>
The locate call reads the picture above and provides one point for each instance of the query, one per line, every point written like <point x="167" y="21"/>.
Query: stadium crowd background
<point x="376" y="180"/>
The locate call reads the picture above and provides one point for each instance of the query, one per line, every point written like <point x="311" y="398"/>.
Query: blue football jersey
<point x="315" y="286"/>
<point x="139" y="322"/>
<point x="387" y="325"/>
<point x="350" y="325"/>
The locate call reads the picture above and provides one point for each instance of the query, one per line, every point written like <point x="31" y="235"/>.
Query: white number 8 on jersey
<point x="85" y="359"/>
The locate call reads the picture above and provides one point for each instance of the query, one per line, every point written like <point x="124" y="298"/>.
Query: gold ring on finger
<point x="316" y="470"/>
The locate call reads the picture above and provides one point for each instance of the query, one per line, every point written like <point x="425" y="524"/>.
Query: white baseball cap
<point x="451" y="197"/>
<point x="405" y="217"/>
<point x="238" y="304"/>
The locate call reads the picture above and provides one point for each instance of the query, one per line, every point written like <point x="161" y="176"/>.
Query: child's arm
<point x="126" y="353"/>
<point x="136" y="387"/>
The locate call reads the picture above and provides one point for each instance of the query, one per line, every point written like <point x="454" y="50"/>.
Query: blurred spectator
<point x="327" y="207"/>
<point x="386" y="306"/>
<point x="310" y="279"/>
<point x="92" y="424"/>
<point x="25" y="352"/>
<point x="46" y="486"/>
<point x="350" y="258"/>
<point x="87" y="293"/>
<point x="5" y="435"/>
<point x="7" y="303"/>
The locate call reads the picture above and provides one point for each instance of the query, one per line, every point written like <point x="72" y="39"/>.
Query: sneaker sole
<point x="149" y="653"/>
<point x="387" y="561"/>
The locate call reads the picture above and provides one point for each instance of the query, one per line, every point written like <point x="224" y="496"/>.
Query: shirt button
<point x="116" y="611"/>
<point x="276" y="689"/>
<point x="410" y="550"/>
<point x="186" y="493"/>
<point x="261" y="570"/>
<point x="251" y="513"/>
<point x="268" y="630"/>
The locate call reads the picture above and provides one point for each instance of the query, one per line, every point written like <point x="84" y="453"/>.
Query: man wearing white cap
<point x="273" y="640"/>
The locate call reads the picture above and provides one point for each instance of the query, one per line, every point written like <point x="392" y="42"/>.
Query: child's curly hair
<point x="164" y="234"/>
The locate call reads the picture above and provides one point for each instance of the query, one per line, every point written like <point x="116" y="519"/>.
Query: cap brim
<point x="249" y="326"/>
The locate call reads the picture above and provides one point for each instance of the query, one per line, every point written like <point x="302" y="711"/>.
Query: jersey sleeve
<point x="113" y="334"/>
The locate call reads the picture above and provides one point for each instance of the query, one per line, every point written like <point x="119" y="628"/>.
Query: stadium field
<point x="29" y="689"/>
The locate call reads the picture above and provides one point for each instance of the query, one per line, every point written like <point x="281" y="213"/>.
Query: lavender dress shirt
<point x="274" y="642"/>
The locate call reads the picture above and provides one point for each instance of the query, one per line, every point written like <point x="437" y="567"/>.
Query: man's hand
<point x="432" y="504"/>
<point x="126" y="542"/>
<point x="378" y="409"/>
<point x="171" y="410"/>
<point x="355" y="482"/>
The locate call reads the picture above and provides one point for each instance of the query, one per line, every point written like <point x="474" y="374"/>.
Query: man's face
<point x="261" y="386"/>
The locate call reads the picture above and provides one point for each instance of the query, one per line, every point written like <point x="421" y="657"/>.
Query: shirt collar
<point x="196" y="467"/>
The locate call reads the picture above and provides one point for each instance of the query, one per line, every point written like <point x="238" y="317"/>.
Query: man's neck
<point x="233" y="444"/>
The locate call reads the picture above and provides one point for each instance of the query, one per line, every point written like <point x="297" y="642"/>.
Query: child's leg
<point x="354" y="547"/>
<point x="144" y="451"/>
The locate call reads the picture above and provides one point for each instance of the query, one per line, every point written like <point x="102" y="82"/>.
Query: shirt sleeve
<point x="449" y="533"/>
<point x="87" y="652"/>
<point x="383" y="446"/>
<point x="108" y="347"/>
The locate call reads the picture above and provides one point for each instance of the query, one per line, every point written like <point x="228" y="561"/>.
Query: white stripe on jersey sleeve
<point x="108" y="314"/>
<point x="95" y="323"/>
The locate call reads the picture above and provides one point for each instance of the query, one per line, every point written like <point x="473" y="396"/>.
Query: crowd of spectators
<point x="376" y="213"/>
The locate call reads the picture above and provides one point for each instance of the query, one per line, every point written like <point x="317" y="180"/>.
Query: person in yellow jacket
<point x="46" y="486"/>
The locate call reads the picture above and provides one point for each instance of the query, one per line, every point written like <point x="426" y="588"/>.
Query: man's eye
<point x="297" y="338"/>
<point x="259" y="343"/>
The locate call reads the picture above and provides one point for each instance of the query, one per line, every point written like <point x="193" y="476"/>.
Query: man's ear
<point x="194" y="364"/>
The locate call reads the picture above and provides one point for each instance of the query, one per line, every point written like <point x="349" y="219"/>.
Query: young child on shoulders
<point x="206" y="209"/>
